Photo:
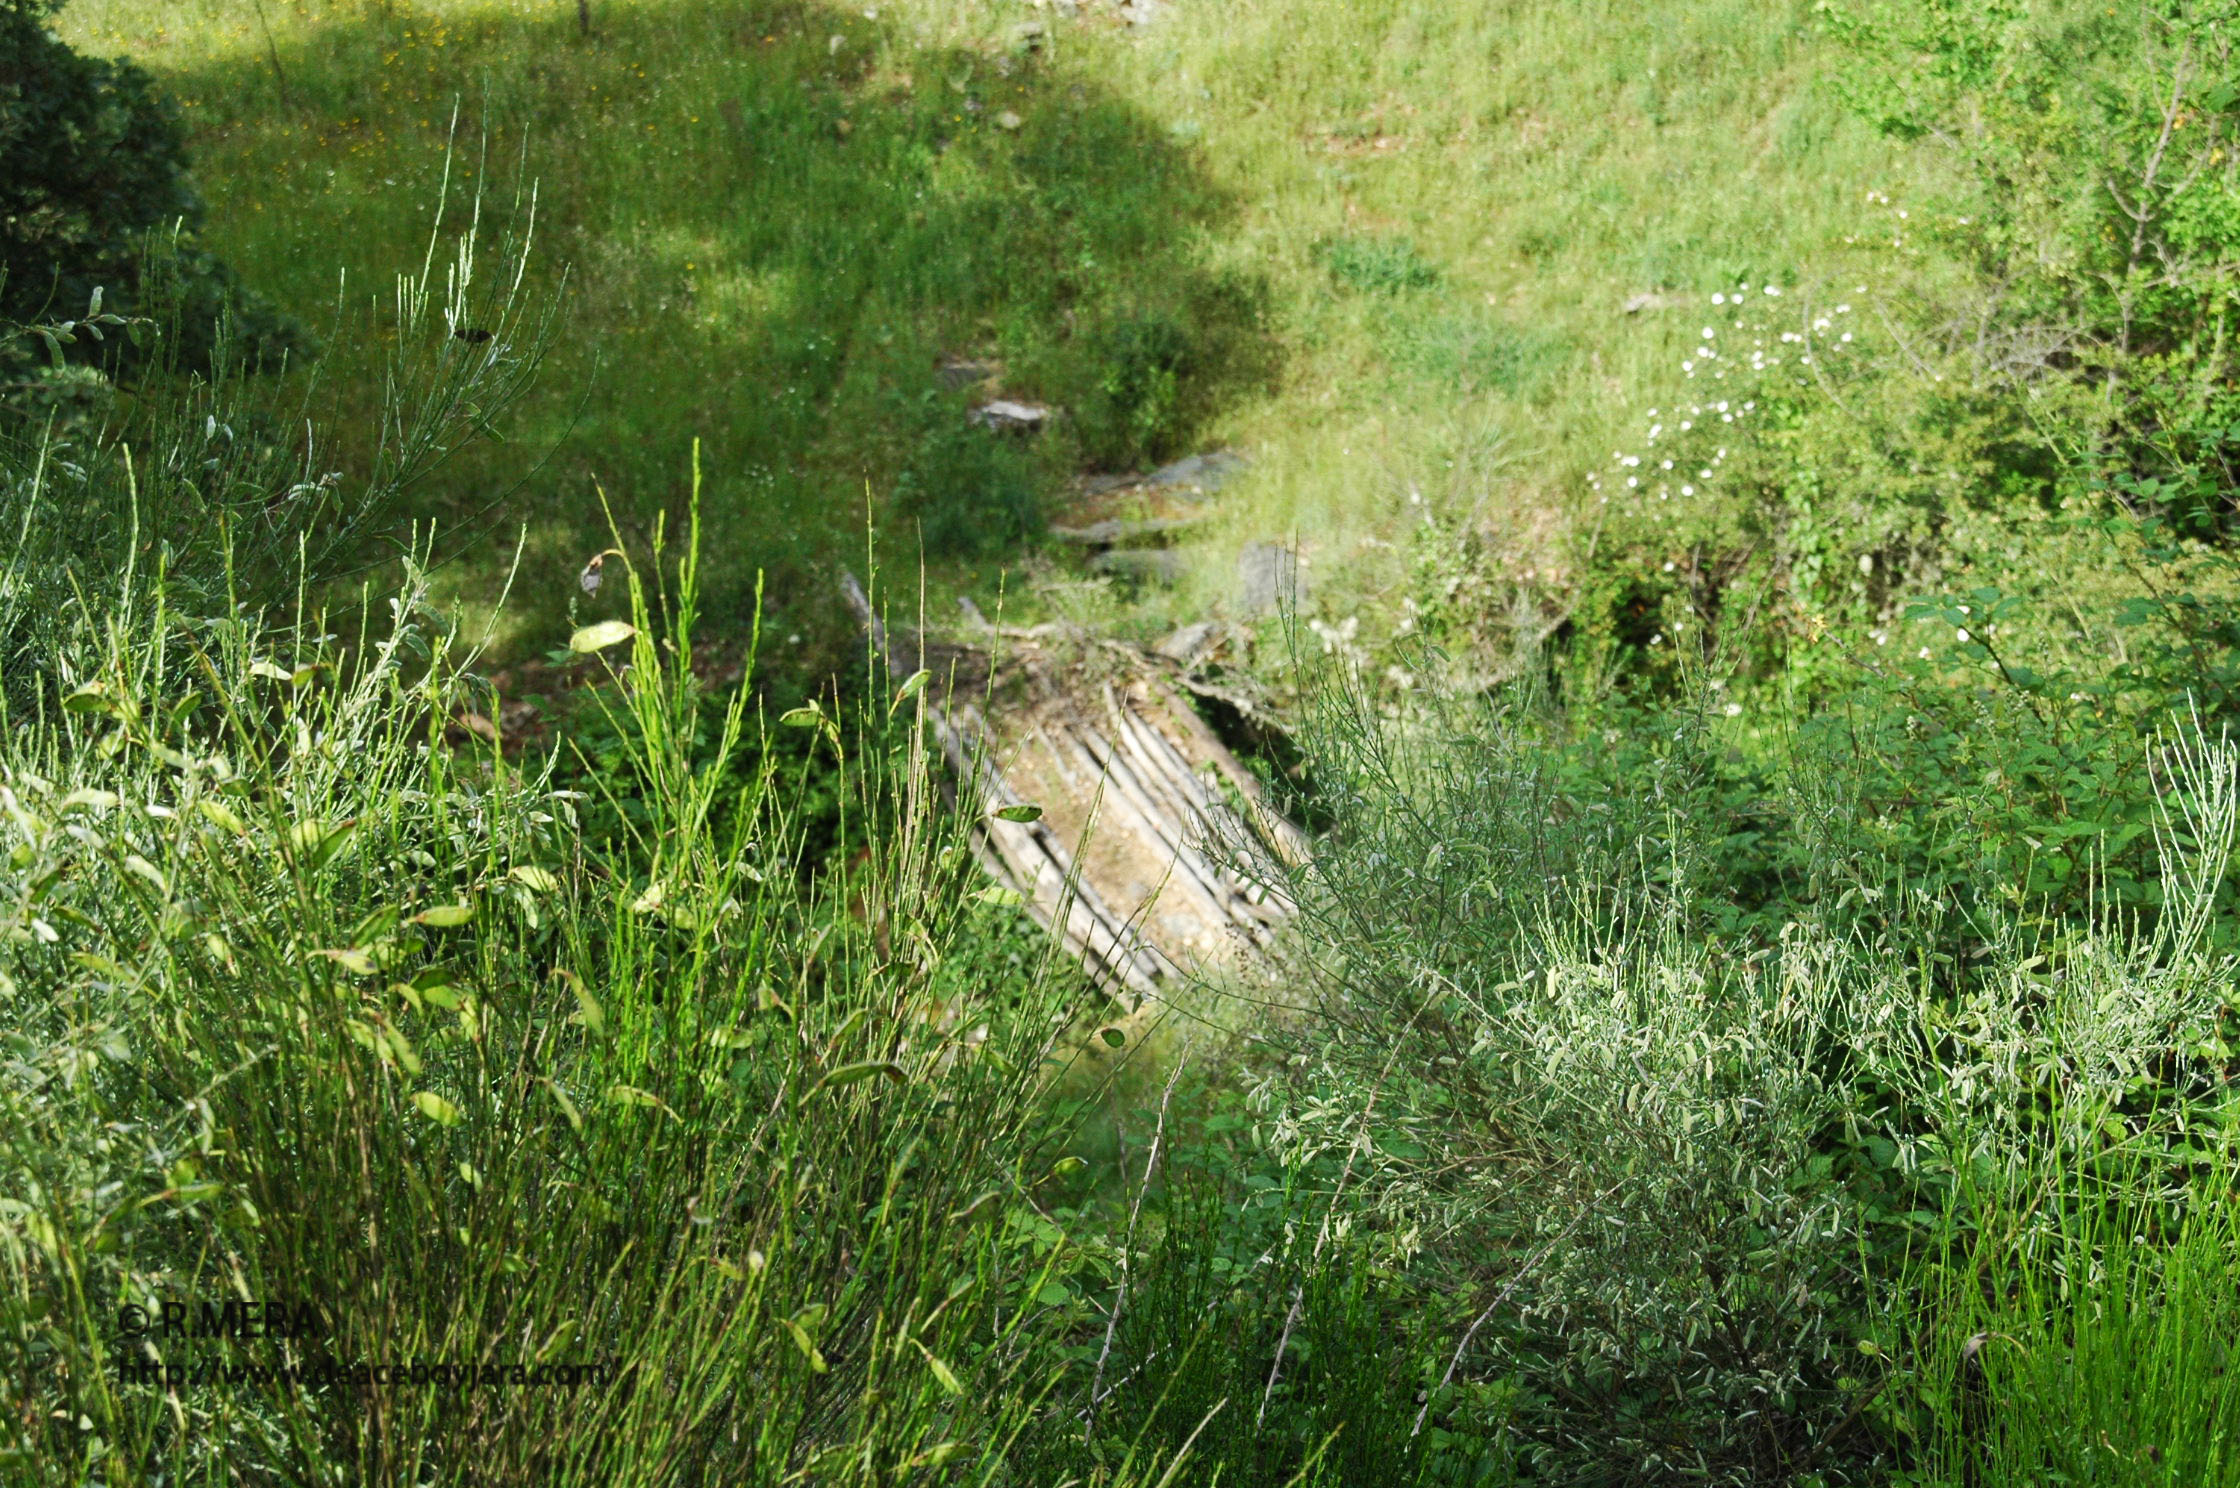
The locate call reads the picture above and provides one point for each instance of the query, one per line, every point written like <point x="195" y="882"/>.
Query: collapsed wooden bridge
<point x="1156" y="856"/>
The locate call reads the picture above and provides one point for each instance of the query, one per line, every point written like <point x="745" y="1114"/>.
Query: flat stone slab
<point x="1162" y="565"/>
<point x="1007" y="417"/>
<point x="956" y="373"/>
<point x="1200" y="475"/>
<point x="1189" y="642"/>
<point x="1267" y="577"/>
<point x="1113" y="532"/>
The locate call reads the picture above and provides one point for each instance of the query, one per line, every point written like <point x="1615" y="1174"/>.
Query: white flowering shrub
<point x="1671" y="1156"/>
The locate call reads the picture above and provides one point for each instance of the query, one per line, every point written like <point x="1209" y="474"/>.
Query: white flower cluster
<point x="1898" y="214"/>
<point x="1339" y="639"/>
<point x="1756" y="362"/>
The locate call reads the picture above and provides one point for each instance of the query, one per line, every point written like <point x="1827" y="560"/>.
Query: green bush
<point x="1681" y="1069"/>
<point x="1133" y="415"/>
<point x="1254" y="1317"/>
<point x="96" y="164"/>
<point x="969" y="492"/>
<point x="307" y="1006"/>
<point x="2099" y="205"/>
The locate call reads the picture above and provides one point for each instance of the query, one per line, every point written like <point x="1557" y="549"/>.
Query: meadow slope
<point x="1387" y="249"/>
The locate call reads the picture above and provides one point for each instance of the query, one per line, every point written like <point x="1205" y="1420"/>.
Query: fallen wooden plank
<point x="1157" y="856"/>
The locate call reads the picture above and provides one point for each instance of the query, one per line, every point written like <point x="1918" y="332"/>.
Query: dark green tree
<point x="95" y="192"/>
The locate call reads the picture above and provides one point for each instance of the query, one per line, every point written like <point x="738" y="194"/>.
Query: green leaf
<point x="849" y="1074"/>
<point x="808" y="715"/>
<point x="801" y="1341"/>
<point x="978" y="1204"/>
<point x="1019" y="813"/>
<point x="220" y="813"/>
<point x="911" y="687"/>
<point x="1114" y="1037"/>
<point x="91" y="698"/>
<point x="598" y="637"/>
<point x="935" y="1456"/>
<point x="319" y="843"/>
<point x="567" y="1106"/>
<point x="941" y="1372"/>
<point x="436" y="1108"/>
<point x="997" y="894"/>
<point x="444" y="916"/>
<point x="351" y="959"/>
<point x="530" y="876"/>
<point x="588" y="1011"/>
<point x="631" y="1095"/>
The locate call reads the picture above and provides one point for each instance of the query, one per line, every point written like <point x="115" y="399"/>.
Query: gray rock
<point x="1145" y="12"/>
<point x="1641" y="302"/>
<point x="1189" y="643"/>
<point x="1006" y="417"/>
<point x="1267" y="577"/>
<point x="1161" y="565"/>
<point x="1206" y="473"/>
<point x="1199" y="474"/>
<point x="1113" y="532"/>
<point x="957" y="373"/>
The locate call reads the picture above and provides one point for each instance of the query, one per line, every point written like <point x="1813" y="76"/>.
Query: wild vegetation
<point x="1762" y="1004"/>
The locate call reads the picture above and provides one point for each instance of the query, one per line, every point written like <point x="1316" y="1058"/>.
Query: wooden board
<point x="1158" y="856"/>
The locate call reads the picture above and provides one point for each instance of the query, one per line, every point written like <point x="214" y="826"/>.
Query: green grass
<point x="773" y="222"/>
<point x="1162" y="248"/>
<point x="2080" y="1344"/>
<point x="338" y="1020"/>
<point x="1654" y="998"/>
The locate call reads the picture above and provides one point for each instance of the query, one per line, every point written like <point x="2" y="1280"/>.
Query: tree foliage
<point x="95" y="193"/>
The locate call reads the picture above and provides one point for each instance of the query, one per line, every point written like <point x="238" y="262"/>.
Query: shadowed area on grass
<point x="776" y="222"/>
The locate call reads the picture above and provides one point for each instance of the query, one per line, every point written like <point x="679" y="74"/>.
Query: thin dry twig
<point x="1492" y="1307"/>
<point x="1127" y="1248"/>
<point x="1322" y="1234"/>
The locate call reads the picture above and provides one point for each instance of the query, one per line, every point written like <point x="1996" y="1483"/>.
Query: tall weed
<point x="310" y="1008"/>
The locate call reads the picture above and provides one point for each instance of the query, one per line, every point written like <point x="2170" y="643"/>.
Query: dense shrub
<point x="1683" y="1088"/>
<point x="96" y="164"/>
<point x="305" y="1006"/>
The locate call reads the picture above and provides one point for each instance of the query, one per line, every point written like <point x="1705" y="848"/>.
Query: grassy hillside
<point x="1764" y="1001"/>
<point x="1386" y="250"/>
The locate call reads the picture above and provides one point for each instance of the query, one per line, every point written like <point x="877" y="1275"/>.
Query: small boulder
<point x="1160" y="565"/>
<point x="1008" y="417"/>
<point x="1189" y="643"/>
<point x="958" y="373"/>
<point x="1267" y="577"/>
